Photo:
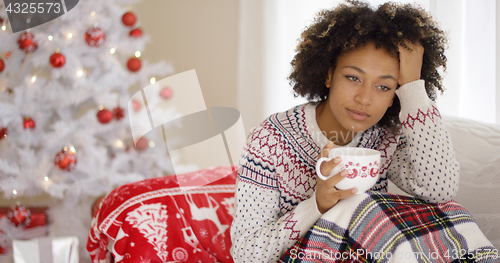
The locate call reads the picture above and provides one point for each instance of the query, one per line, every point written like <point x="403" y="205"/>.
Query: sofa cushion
<point x="477" y="149"/>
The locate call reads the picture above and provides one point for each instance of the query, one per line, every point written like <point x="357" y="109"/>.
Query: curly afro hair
<point x="350" y="25"/>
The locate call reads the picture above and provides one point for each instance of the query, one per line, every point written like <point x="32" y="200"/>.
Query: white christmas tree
<point x="64" y="130"/>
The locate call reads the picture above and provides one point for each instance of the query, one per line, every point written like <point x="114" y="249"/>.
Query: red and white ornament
<point x="166" y="93"/>
<point x="136" y="32"/>
<point x="28" y="123"/>
<point x="95" y="37"/>
<point x="141" y="144"/>
<point x="104" y="116"/>
<point x="134" y="64"/>
<point x="27" y="42"/>
<point x="66" y="159"/>
<point x="19" y="215"/>
<point x="57" y="60"/>
<point x="3" y="133"/>
<point x="129" y="19"/>
<point x="2" y="65"/>
<point x="118" y="113"/>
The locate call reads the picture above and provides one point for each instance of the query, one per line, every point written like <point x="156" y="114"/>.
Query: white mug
<point x="362" y="165"/>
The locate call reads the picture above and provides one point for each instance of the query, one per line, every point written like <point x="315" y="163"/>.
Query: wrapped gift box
<point x="46" y="250"/>
<point x="37" y="227"/>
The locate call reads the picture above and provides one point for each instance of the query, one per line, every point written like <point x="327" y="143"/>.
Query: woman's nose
<point x="363" y="95"/>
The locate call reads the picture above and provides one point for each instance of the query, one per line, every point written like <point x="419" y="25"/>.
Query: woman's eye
<point x="352" y="78"/>
<point x="384" y="88"/>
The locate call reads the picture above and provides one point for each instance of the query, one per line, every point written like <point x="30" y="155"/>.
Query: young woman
<point x="371" y="76"/>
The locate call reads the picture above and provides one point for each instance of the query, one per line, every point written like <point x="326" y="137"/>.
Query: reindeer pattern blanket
<point x="167" y="219"/>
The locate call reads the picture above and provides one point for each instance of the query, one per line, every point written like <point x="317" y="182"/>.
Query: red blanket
<point x="174" y="218"/>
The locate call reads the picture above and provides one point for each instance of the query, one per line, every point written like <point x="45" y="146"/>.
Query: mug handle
<point x="318" y="166"/>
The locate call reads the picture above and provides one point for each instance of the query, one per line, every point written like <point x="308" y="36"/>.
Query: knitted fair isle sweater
<point x="275" y="192"/>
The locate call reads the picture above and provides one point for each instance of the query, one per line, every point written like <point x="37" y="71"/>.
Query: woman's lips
<point x="358" y="114"/>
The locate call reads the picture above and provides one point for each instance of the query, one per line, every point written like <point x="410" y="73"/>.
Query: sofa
<point x="477" y="149"/>
<point x="204" y="211"/>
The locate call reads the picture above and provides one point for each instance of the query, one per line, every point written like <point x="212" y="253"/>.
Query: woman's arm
<point x="424" y="163"/>
<point x="260" y="232"/>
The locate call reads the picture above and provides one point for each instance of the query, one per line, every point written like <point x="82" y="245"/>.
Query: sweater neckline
<point x="315" y="132"/>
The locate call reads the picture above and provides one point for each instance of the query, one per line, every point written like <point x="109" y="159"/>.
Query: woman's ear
<point x="329" y="77"/>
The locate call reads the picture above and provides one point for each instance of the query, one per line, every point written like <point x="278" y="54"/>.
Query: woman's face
<point x="362" y="87"/>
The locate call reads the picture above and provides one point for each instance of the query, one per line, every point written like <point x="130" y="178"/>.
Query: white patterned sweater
<point x="275" y="192"/>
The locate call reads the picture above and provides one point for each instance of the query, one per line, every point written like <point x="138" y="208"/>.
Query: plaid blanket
<point x="381" y="227"/>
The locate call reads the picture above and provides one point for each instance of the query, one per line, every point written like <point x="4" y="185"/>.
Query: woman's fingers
<point x="410" y="62"/>
<point x="335" y="179"/>
<point x="327" y="195"/>
<point x="343" y="194"/>
<point x="327" y="167"/>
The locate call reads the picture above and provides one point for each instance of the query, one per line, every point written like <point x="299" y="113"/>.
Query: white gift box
<point x="46" y="250"/>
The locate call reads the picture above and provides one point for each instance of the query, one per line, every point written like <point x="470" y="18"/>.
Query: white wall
<point x="195" y="34"/>
<point x="200" y="35"/>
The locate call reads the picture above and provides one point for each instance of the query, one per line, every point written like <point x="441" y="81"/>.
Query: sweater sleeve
<point x="424" y="163"/>
<point x="260" y="232"/>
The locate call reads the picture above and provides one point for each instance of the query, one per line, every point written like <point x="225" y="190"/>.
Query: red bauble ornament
<point x="141" y="144"/>
<point x="104" y="116"/>
<point x="3" y="133"/>
<point x="2" y="65"/>
<point x="28" y="123"/>
<point x="95" y="37"/>
<point x="19" y="215"/>
<point x="136" y="105"/>
<point x="27" y="42"/>
<point x="129" y="19"/>
<point x="166" y="93"/>
<point x="118" y="113"/>
<point x="65" y="160"/>
<point x="137" y="32"/>
<point x="134" y="64"/>
<point x="57" y="60"/>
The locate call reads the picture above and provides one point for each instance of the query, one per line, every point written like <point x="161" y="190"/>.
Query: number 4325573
<point x="33" y="8"/>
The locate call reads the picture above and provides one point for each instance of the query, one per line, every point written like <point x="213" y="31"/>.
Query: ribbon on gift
<point x="9" y="232"/>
